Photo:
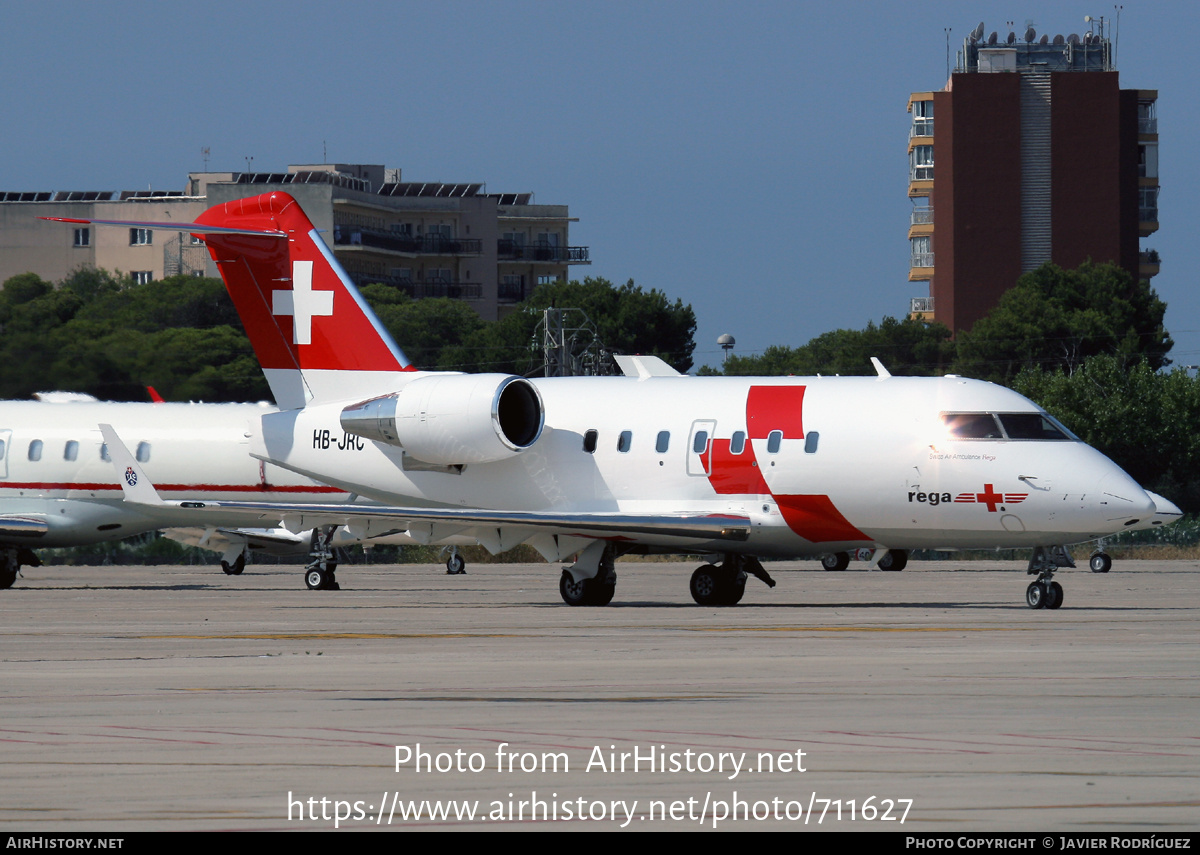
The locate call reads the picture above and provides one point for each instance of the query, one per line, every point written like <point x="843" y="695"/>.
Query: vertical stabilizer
<point x="314" y="334"/>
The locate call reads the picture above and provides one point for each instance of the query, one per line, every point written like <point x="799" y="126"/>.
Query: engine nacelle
<point x="450" y="419"/>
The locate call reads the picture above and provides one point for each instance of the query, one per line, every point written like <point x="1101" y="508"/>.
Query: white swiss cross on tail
<point x="302" y="302"/>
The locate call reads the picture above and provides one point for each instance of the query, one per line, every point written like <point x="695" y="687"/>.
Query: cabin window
<point x="71" y="450"/>
<point x="589" y="441"/>
<point x="35" y="450"/>
<point x="624" y="441"/>
<point x="104" y="452"/>
<point x="774" y="440"/>
<point x="810" y="442"/>
<point x="143" y="452"/>
<point x="700" y="443"/>
<point x="663" y="441"/>
<point x="738" y="443"/>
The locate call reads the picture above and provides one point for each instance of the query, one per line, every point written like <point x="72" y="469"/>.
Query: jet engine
<point x="450" y="419"/>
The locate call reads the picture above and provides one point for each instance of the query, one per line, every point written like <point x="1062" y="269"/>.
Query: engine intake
<point x="450" y="419"/>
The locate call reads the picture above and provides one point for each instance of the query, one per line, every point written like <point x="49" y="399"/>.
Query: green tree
<point x="908" y="347"/>
<point x="627" y="318"/>
<point x="431" y="332"/>
<point x="1143" y="419"/>
<point x="109" y="337"/>
<point x="1057" y="318"/>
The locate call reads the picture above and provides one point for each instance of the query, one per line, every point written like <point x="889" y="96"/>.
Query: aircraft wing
<point x="492" y="528"/>
<point x="586" y="524"/>
<point x="218" y="539"/>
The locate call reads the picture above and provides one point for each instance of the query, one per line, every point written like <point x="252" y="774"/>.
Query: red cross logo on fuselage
<point x="989" y="497"/>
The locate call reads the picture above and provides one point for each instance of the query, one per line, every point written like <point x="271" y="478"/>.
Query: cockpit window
<point x="971" y="426"/>
<point x="1016" y="426"/>
<point x="1032" y="426"/>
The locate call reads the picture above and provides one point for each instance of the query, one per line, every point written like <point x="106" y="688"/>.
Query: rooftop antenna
<point x="204" y="153"/>
<point x="249" y="160"/>
<point x="1117" y="34"/>
<point x="947" y="29"/>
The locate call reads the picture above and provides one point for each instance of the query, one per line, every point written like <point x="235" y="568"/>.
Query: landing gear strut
<point x="319" y="574"/>
<point x="1045" y="593"/>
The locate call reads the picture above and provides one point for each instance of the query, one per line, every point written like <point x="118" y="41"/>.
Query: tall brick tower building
<point x="1038" y="156"/>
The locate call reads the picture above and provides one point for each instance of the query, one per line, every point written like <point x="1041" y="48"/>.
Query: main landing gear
<point x="319" y="574"/>
<point x="1045" y="593"/>
<point x="592" y="579"/>
<point x="724" y="584"/>
<point x="456" y="565"/>
<point x="11" y="560"/>
<point x="235" y="566"/>
<point x="892" y="559"/>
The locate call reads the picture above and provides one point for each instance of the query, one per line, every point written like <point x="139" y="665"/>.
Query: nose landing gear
<point x="319" y="574"/>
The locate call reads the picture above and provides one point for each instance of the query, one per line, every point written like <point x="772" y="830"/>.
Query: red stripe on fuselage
<point x="172" y="488"/>
<point x="735" y="474"/>
<point x="777" y="408"/>
<point x="771" y="408"/>
<point x="815" y="519"/>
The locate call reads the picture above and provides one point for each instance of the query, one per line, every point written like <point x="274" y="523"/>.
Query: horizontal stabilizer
<point x="193" y="228"/>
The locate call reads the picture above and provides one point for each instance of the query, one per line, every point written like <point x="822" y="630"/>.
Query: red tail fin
<point x="306" y="320"/>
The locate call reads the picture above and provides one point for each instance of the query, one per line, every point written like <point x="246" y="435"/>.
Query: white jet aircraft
<point x="57" y="486"/>
<point x="731" y="467"/>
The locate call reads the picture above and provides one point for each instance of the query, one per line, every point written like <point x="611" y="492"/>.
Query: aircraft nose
<point x="1165" y="512"/>
<point x="1125" y="500"/>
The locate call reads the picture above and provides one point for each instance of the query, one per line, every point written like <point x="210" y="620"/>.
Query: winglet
<point x="879" y="369"/>
<point x="134" y="483"/>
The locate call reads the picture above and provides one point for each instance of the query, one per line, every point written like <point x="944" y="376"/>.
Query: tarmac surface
<point x="177" y="698"/>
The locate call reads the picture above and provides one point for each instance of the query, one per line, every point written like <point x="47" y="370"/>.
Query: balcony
<point x="418" y="289"/>
<point x="510" y="250"/>
<point x="1147" y="125"/>
<point x="921" y="217"/>
<point x="921" y="127"/>
<point x="921" y="259"/>
<point x="407" y="244"/>
<point x="1148" y="263"/>
<point x="510" y="292"/>
<point x="921" y="308"/>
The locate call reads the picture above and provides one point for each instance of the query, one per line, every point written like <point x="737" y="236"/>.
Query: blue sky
<point x="748" y="158"/>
